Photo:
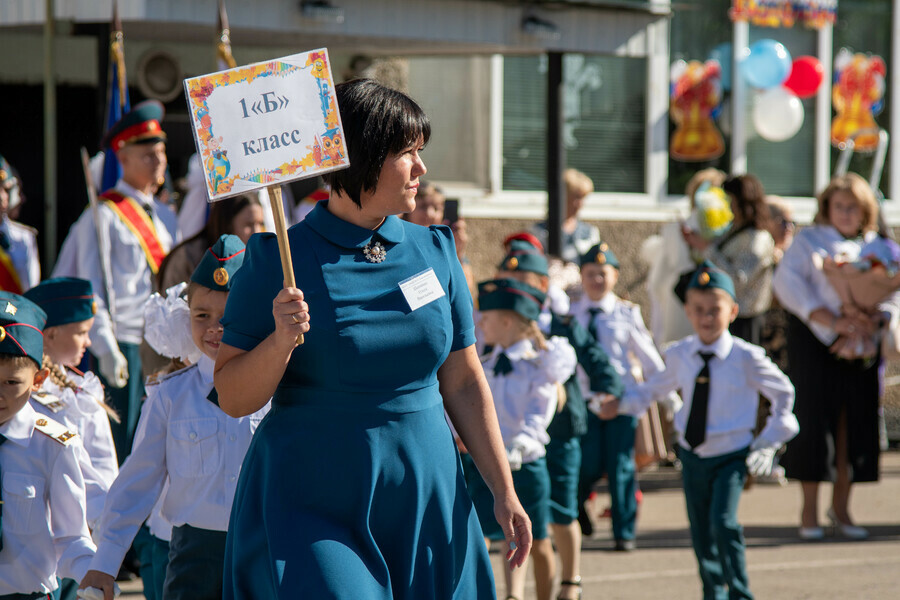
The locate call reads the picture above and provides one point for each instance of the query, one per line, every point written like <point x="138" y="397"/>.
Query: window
<point x="604" y="130"/>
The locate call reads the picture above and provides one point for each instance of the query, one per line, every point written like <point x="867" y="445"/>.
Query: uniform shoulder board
<point x="173" y="374"/>
<point x="54" y="403"/>
<point x="54" y="430"/>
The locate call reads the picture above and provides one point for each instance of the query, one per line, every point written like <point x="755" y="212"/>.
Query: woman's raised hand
<point x="291" y="315"/>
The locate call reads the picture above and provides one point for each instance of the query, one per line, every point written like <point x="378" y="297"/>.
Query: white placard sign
<point x="266" y="123"/>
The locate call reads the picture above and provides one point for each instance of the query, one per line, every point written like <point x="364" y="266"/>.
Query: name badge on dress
<point x="421" y="289"/>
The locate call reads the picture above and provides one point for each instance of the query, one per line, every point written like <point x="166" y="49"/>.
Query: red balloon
<point x="806" y="76"/>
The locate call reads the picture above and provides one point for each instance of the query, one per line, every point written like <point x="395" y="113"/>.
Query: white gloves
<point x="514" y="456"/>
<point x="114" y="368"/>
<point x="93" y="593"/>
<point x="761" y="459"/>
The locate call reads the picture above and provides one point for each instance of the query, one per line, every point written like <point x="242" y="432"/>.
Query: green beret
<point x="64" y="299"/>
<point x="21" y="327"/>
<point x="599" y="254"/>
<point x="509" y="294"/>
<point x="709" y="277"/>
<point x="522" y="256"/>
<point x="219" y="263"/>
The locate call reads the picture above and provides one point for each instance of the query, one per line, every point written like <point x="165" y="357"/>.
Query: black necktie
<point x="502" y="366"/>
<point x="592" y="324"/>
<point x="4" y="240"/>
<point x="695" y="432"/>
<point x="2" y="439"/>
<point x="213" y="397"/>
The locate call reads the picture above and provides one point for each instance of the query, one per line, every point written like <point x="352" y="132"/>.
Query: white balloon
<point x="777" y="114"/>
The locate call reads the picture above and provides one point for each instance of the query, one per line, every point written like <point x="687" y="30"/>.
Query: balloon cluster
<point x="857" y="95"/>
<point x="767" y="66"/>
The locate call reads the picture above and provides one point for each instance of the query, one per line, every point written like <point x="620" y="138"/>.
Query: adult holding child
<point x="837" y="400"/>
<point x="377" y="507"/>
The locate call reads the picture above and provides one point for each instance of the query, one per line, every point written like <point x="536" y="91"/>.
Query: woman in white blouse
<point x="837" y="400"/>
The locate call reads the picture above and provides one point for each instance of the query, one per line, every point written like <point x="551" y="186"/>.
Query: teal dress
<point x="352" y="486"/>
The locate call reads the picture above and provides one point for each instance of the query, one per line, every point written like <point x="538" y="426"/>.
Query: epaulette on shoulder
<point x="174" y="374"/>
<point x="54" y="430"/>
<point x="50" y="401"/>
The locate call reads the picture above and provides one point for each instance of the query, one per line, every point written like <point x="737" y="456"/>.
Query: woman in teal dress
<point x="352" y="486"/>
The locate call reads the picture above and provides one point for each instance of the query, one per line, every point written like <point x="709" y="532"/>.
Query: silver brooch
<point x="374" y="253"/>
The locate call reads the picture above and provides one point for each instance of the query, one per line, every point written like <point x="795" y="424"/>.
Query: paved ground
<point x="780" y="565"/>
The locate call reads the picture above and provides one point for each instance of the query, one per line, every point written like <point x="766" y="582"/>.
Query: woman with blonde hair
<point x="837" y="400"/>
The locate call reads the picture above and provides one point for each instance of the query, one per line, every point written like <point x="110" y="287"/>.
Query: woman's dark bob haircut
<point x="377" y="122"/>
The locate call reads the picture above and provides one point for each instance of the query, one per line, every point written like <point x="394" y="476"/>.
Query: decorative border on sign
<point x="326" y="151"/>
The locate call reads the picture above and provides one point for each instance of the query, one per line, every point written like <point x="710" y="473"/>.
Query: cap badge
<point x="601" y="258"/>
<point x="2" y="333"/>
<point x="220" y="276"/>
<point x="512" y="263"/>
<point x="10" y="308"/>
<point x="94" y="307"/>
<point x="703" y="279"/>
<point x="604" y="247"/>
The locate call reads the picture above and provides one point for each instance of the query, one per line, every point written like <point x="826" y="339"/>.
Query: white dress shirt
<point x="738" y="374"/>
<point x="131" y="278"/>
<point x="45" y="531"/>
<point x="82" y="413"/>
<point x="526" y="398"/>
<point x="22" y="252"/>
<point x="184" y="438"/>
<point x="623" y="335"/>
<point x="801" y="287"/>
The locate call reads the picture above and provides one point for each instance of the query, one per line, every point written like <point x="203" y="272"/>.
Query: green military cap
<point x="709" y="277"/>
<point x="522" y="256"/>
<point x="509" y="294"/>
<point x="599" y="254"/>
<point x="64" y="299"/>
<point x="219" y="263"/>
<point x="21" y="327"/>
<point x="140" y="126"/>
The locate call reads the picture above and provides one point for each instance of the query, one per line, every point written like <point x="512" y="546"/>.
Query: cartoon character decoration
<point x="317" y="151"/>
<point x="857" y="95"/>
<point x="332" y="147"/>
<point x="217" y="164"/>
<point x="696" y="92"/>
<point x="815" y="14"/>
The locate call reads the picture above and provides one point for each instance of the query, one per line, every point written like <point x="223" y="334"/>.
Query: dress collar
<point x="347" y="235"/>
<point x="21" y="426"/>
<point x="607" y="303"/>
<point x="517" y="351"/>
<point x="721" y="347"/>
<point x="129" y="190"/>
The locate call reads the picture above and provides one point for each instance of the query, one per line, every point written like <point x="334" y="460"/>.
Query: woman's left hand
<point x="516" y="528"/>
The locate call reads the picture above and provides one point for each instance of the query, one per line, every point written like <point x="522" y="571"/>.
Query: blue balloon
<point x="722" y="54"/>
<point x="767" y="65"/>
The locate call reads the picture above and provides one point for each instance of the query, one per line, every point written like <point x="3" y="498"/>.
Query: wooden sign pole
<point x="284" y="248"/>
